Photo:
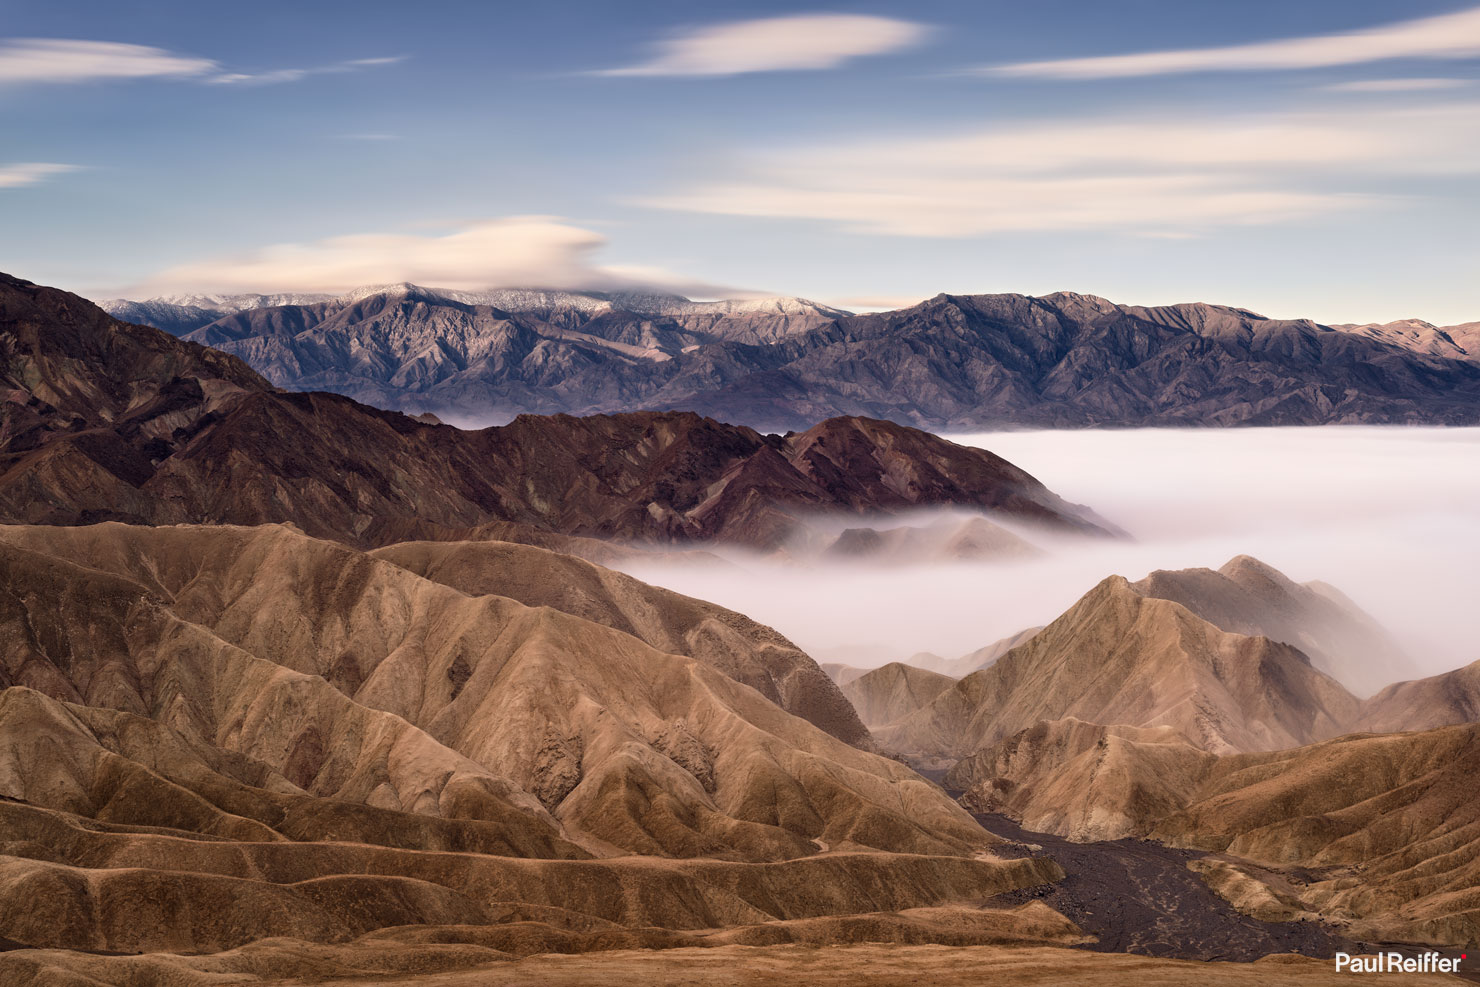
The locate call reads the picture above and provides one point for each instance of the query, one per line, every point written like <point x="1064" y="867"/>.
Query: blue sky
<point x="1316" y="158"/>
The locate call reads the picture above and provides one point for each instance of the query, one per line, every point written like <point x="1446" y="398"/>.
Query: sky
<point x="1301" y="158"/>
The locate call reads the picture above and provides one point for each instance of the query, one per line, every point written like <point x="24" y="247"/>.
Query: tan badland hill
<point x="1083" y="781"/>
<point x="312" y="742"/>
<point x="396" y="531"/>
<point x="1377" y="835"/>
<point x="556" y="703"/>
<point x="145" y="858"/>
<point x="1379" y="832"/>
<point x="894" y="691"/>
<point x="1120" y="657"/>
<point x="1247" y="596"/>
<point x="1421" y="704"/>
<point x="743" y="649"/>
<point x="1102" y="773"/>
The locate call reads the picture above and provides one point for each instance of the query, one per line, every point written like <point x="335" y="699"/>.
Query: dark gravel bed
<point x="1138" y="896"/>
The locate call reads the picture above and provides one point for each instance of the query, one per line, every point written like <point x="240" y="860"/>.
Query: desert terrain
<point x="293" y="690"/>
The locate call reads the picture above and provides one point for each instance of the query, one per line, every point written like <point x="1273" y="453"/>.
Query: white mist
<point x="1390" y="516"/>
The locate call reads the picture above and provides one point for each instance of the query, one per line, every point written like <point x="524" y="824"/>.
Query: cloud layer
<point x="55" y="60"/>
<point x="774" y="44"/>
<point x="1161" y="176"/>
<point x="1454" y="35"/>
<point x="516" y="251"/>
<point x="1387" y="515"/>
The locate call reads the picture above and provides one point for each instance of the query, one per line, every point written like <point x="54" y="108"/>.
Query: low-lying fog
<point x="1391" y="516"/>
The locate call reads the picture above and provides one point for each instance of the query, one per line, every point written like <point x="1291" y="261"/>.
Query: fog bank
<point x="1390" y="516"/>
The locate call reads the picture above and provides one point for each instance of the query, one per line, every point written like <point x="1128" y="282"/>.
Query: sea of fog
<point x="1390" y="516"/>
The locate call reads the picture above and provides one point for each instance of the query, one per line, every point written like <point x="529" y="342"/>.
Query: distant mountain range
<point x="755" y="319"/>
<point x="952" y="362"/>
<point x="107" y="421"/>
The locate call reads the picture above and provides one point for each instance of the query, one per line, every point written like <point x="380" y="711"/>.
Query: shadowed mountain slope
<point x="107" y="421"/>
<point x="490" y="356"/>
<point x="950" y="362"/>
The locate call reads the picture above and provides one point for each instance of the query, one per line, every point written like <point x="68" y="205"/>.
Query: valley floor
<point x="1139" y="896"/>
<point x="869" y="965"/>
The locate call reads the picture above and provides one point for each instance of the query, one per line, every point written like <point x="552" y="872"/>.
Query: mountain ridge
<point x="185" y="313"/>
<point x="1124" y="656"/>
<point x="950" y="362"/>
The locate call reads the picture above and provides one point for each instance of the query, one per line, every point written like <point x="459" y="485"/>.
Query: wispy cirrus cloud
<point x="775" y="44"/>
<point x="1455" y="35"/>
<point x="276" y="76"/>
<point x="61" y="60"/>
<point x="18" y="175"/>
<point x="1416" y="85"/>
<point x="514" y="251"/>
<point x="31" y="61"/>
<point x="1143" y="176"/>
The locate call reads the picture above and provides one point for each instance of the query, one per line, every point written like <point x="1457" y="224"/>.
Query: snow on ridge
<point x="225" y="304"/>
<point x="779" y="305"/>
<point x="508" y="299"/>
